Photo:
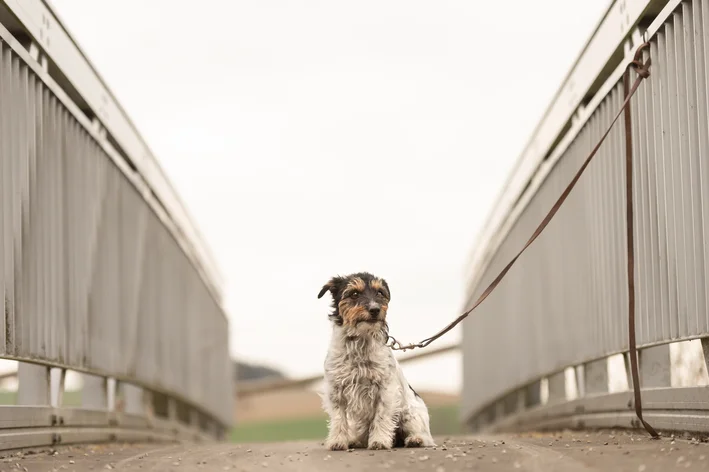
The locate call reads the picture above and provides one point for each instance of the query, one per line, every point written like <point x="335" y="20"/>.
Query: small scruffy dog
<point x="369" y="401"/>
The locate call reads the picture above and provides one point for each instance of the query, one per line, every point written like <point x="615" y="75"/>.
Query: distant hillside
<point x="245" y="372"/>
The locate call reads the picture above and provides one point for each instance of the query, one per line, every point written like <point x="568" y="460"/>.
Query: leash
<point x="643" y="72"/>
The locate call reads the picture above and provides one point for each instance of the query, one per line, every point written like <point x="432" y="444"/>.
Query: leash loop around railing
<point x="642" y="70"/>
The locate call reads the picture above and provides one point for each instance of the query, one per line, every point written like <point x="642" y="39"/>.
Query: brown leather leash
<point x="643" y="72"/>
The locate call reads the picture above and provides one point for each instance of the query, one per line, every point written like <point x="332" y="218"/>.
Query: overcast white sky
<point x="310" y="138"/>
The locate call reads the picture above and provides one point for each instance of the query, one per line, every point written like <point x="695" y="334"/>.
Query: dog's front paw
<point x="356" y="445"/>
<point x="336" y="444"/>
<point x="413" y="441"/>
<point x="379" y="445"/>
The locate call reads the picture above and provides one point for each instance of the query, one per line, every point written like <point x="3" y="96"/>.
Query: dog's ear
<point x="384" y="282"/>
<point x="324" y="289"/>
<point x="332" y="286"/>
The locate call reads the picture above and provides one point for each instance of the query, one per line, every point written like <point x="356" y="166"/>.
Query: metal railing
<point x="256" y="387"/>
<point x="100" y="272"/>
<point x="562" y="311"/>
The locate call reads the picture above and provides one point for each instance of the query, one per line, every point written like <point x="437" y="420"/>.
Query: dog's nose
<point x="374" y="311"/>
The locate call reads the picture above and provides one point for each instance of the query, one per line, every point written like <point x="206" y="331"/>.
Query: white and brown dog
<point x="369" y="401"/>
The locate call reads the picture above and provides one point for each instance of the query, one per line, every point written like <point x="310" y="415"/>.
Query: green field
<point x="72" y="398"/>
<point x="444" y="420"/>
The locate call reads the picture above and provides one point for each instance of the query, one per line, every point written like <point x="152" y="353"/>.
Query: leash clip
<point x="397" y="346"/>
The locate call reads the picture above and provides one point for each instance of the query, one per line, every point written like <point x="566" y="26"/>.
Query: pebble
<point x="641" y="468"/>
<point x="423" y="458"/>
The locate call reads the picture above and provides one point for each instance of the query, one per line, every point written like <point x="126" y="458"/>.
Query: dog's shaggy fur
<point x="369" y="401"/>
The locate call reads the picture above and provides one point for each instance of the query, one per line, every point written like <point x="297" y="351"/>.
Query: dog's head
<point x="359" y="301"/>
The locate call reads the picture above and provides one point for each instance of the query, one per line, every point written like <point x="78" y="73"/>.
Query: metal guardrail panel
<point x="565" y="302"/>
<point x="92" y="279"/>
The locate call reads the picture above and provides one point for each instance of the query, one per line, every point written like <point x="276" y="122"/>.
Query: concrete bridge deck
<point x="568" y="452"/>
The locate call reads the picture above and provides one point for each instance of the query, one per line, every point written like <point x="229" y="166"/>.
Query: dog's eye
<point x="354" y="294"/>
<point x="381" y="292"/>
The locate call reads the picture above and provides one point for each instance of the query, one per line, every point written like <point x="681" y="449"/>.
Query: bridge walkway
<point x="567" y="452"/>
